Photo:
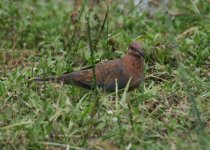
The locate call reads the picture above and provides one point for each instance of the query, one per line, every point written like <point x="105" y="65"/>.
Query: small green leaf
<point x="2" y="89"/>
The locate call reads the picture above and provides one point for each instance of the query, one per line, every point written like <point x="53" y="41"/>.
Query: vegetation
<point x="41" y="38"/>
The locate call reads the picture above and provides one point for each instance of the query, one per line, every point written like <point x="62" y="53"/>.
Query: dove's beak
<point x="141" y="53"/>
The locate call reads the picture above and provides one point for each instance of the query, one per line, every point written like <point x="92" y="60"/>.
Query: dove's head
<point x="136" y="49"/>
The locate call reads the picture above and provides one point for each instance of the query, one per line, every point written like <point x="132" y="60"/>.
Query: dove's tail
<point x="66" y="79"/>
<point x="43" y="79"/>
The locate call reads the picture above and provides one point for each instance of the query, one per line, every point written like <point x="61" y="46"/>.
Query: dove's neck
<point x="134" y="64"/>
<point x="135" y="69"/>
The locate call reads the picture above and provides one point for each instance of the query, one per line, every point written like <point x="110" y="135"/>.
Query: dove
<point x="108" y="74"/>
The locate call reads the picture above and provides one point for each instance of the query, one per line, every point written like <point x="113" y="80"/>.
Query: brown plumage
<point x="131" y="65"/>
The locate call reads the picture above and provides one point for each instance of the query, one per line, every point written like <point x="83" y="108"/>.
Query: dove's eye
<point x="132" y="48"/>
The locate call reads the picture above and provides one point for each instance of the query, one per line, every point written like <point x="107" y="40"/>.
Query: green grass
<point x="170" y="110"/>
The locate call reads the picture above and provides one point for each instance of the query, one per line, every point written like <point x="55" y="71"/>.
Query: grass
<point x="170" y="110"/>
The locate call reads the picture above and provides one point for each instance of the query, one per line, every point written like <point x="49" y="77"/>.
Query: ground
<point x="170" y="110"/>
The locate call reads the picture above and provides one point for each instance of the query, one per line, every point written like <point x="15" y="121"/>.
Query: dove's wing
<point x="107" y="75"/>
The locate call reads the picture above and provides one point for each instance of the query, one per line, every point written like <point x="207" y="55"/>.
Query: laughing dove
<point x="110" y="73"/>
